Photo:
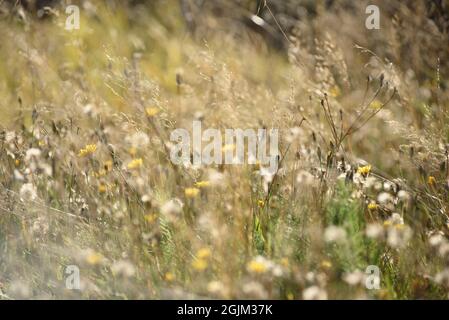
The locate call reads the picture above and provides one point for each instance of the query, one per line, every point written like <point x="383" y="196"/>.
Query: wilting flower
<point x="334" y="234"/>
<point x="172" y="209"/>
<point x="354" y="278"/>
<point x="87" y="150"/>
<point x="123" y="268"/>
<point x="305" y="178"/>
<point x="399" y="236"/>
<point x="215" y="287"/>
<point x="28" y="192"/>
<point x="384" y="198"/>
<point x="314" y="293"/>
<point x="255" y="290"/>
<point x="32" y="153"/>
<point x="443" y="277"/>
<point x="374" y="231"/>
<point x="403" y="195"/>
<point x="138" y="139"/>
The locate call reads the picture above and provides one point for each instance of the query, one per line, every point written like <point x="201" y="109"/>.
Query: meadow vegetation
<point x="86" y="177"/>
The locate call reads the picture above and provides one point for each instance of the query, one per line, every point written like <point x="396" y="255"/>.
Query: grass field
<point x="86" y="178"/>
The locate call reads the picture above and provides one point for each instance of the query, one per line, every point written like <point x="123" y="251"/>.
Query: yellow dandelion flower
<point x="151" y="217"/>
<point x="102" y="188"/>
<point x="87" y="150"/>
<point x="376" y="105"/>
<point x="202" y="184"/>
<point x="365" y="170"/>
<point x="203" y="253"/>
<point x="335" y="91"/>
<point x="152" y="111"/>
<point x="191" y="192"/>
<point x="132" y="151"/>
<point x="199" y="264"/>
<point x="257" y="266"/>
<point x="372" y="206"/>
<point x="100" y="173"/>
<point x="326" y="264"/>
<point x="135" y="163"/>
<point x="431" y="180"/>
<point x="261" y="203"/>
<point x="169" y="276"/>
<point x="387" y="223"/>
<point x="94" y="258"/>
<point x="399" y="226"/>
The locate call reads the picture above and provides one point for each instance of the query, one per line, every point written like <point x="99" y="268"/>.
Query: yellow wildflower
<point x="87" y="150"/>
<point x="17" y="162"/>
<point x="152" y="111"/>
<point x="199" y="264"/>
<point x="102" y="188"/>
<point x="94" y="258"/>
<point x="326" y="264"/>
<point x="399" y="226"/>
<point x="372" y="206"/>
<point x="151" y="217"/>
<point x="135" y="163"/>
<point x="203" y="253"/>
<point x="257" y="266"/>
<point x="191" y="192"/>
<point x="431" y="180"/>
<point x="132" y="151"/>
<point x="100" y="173"/>
<point x="285" y="262"/>
<point x="365" y="170"/>
<point x="261" y="203"/>
<point x="376" y="105"/>
<point x="335" y="91"/>
<point x="202" y="184"/>
<point x="169" y="276"/>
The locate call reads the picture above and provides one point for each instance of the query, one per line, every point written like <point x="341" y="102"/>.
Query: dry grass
<point x="85" y="177"/>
